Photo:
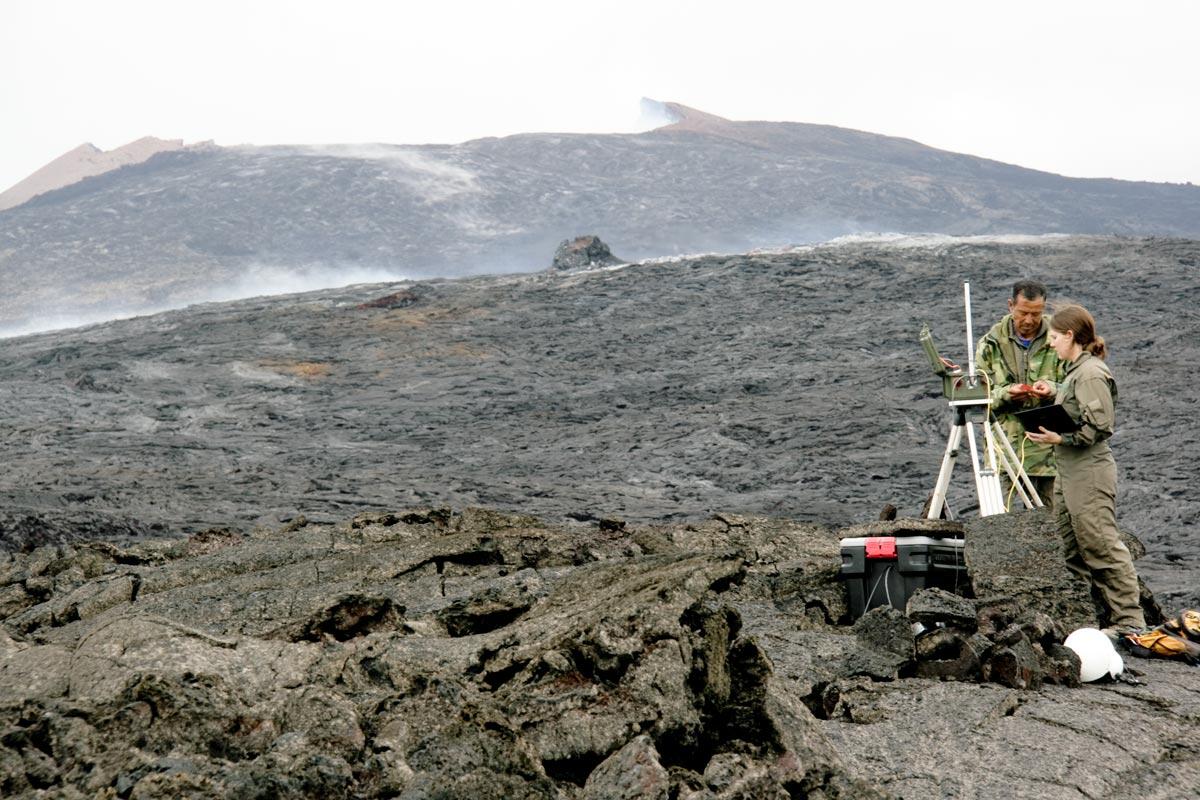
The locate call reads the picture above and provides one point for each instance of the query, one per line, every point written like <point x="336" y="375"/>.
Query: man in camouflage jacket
<point x="1015" y="354"/>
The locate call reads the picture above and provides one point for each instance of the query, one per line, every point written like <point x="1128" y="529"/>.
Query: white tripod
<point x="969" y="391"/>
<point x="998" y="452"/>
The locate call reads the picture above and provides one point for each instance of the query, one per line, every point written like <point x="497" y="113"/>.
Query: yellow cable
<point x="1020" y="459"/>
<point x="1021" y="463"/>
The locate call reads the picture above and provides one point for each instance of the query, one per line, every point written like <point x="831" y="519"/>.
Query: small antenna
<point x="970" y="334"/>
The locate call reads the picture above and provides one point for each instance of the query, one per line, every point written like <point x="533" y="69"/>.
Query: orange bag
<point x="1175" y="638"/>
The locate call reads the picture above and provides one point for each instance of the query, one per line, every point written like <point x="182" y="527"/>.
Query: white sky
<point x="1093" y="89"/>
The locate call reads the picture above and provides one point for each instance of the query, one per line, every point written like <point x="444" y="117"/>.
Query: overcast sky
<point x="1091" y="89"/>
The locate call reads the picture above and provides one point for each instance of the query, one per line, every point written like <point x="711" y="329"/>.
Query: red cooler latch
<point x="881" y="547"/>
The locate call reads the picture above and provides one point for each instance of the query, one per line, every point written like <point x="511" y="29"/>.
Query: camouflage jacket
<point x="1006" y="364"/>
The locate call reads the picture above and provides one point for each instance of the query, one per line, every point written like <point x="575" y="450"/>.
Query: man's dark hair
<point x="1030" y="290"/>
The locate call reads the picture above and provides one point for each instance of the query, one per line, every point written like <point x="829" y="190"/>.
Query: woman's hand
<point x="1045" y="437"/>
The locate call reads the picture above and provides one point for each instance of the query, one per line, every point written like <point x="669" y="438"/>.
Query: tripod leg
<point x="938" y="500"/>
<point x="1016" y="470"/>
<point x="987" y="483"/>
<point x="999" y="460"/>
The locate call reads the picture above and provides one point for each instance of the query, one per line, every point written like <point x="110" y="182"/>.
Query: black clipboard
<point x="1051" y="417"/>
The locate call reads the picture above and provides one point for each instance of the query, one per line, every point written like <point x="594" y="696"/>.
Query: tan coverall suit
<point x="1086" y="491"/>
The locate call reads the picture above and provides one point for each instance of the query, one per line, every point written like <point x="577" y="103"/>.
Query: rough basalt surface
<point x="231" y="567"/>
<point x="778" y="384"/>
<point x="429" y="653"/>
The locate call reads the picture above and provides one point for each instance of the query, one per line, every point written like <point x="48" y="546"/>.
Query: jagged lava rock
<point x="485" y="655"/>
<point x="583" y="252"/>
<point x="1019" y="556"/>
<point x="470" y="654"/>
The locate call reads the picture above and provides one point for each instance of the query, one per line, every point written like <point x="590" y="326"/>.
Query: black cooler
<point x="887" y="570"/>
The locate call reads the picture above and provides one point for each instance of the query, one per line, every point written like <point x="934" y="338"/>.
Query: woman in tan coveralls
<point x="1086" y="490"/>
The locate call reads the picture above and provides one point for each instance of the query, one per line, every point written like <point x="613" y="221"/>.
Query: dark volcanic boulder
<point x="421" y="653"/>
<point x="1019" y="556"/>
<point x="427" y="653"/>
<point x="583" y="252"/>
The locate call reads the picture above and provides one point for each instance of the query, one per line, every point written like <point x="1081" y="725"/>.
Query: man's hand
<point x="1023" y="391"/>
<point x="1020" y="391"/>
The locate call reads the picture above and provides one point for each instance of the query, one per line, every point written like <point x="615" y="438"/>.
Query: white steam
<point x="655" y="115"/>
<point x="264" y="281"/>
<point x="257" y="281"/>
<point x="430" y="178"/>
<point x="930" y="240"/>
<point x="58" y="322"/>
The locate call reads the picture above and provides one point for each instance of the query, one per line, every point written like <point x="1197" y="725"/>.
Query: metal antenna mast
<point x="970" y="335"/>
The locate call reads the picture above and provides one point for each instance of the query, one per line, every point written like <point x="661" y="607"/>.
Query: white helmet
<point x="1097" y="656"/>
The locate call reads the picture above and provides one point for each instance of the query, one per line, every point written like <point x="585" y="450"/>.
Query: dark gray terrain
<point x="200" y="224"/>
<point x="481" y="656"/>
<point x="789" y="385"/>
<point x="253" y="559"/>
